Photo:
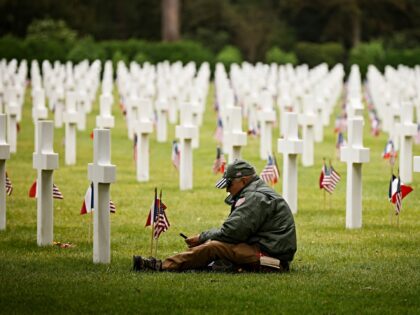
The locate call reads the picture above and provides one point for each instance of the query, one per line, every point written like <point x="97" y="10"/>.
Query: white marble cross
<point x="186" y="132"/>
<point x="307" y="121"/>
<point x="82" y="102"/>
<point x="102" y="173"/>
<point x="290" y="146"/>
<point x="235" y="138"/>
<point x="162" y="108"/>
<point x="57" y="102"/>
<point x="416" y="162"/>
<point x="319" y="125"/>
<point x="70" y="118"/>
<point x="354" y="154"/>
<point x="406" y="130"/>
<point x="132" y="107"/>
<point x="105" y="119"/>
<point x="266" y="116"/>
<point x="12" y="111"/>
<point x="4" y="155"/>
<point x="39" y="110"/>
<point x="143" y="128"/>
<point x="45" y="161"/>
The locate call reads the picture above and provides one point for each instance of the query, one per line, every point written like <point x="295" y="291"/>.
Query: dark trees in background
<point x="254" y="26"/>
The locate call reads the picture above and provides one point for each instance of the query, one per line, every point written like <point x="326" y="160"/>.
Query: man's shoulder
<point x="258" y="189"/>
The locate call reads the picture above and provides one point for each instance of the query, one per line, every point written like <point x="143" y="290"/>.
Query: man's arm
<point x="242" y="223"/>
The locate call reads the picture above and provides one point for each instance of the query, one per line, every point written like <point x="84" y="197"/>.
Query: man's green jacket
<point x="259" y="215"/>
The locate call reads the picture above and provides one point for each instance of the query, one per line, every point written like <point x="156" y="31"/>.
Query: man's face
<point x="236" y="184"/>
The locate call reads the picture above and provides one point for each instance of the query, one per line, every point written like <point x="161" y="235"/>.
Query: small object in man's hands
<point x="183" y="235"/>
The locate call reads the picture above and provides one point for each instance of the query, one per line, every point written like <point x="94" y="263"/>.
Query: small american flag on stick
<point x="270" y="173"/>
<point x="9" y="186"/>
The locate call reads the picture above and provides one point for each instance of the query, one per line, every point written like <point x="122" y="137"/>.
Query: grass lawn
<point x="375" y="269"/>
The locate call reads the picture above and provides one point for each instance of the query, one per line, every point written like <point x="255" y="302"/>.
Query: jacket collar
<point x="230" y="200"/>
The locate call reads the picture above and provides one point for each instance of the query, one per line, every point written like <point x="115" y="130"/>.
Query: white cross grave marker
<point x="267" y="117"/>
<point x="235" y="137"/>
<point x="12" y="111"/>
<point x="143" y="128"/>
<point x="290" y="146"/>
<point x="82" y="101"/>
<point x="406" y="129"/>
<point x="57" y="100"/>
<point x="102" y="173"/>
<point x="162" y="108"/>
<point x="45" y="161"/>
<point x="354" y="154"/>
<point x="4" y="155"/>
<point x="105" y="119"/>
<point x="70" y="118"/>
<point x="416" y="162"/>
<point x="39" y="110"/>
<point x="307" y="121"/>
<point x="186" y="132"/>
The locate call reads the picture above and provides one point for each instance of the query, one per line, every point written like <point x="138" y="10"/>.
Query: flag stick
<point x="152" y="219"/>
<point x="325" y="199"/>
<point x="158" y="218"/>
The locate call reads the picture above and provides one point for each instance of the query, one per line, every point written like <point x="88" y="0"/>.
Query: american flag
<point x="157" y="216"/>
<point x="218" y="135"/>
<point x="9" y="186"/>
<point x="154" y="210"/>
<point x="176" y="155"/>
<point x="330" y="179"/>
<point x="162" y="224"/>
<point x="397" y="192"/>
<point x="219" y="162"/>
<point x="398" y="198"/>
<point x="270" y="173"/>
<point x="389" y="152"/>
<point x="88" y="202"/>
<point x="375" y="126"/>
<point x="57" y="193"/>
<point x="112" y="207"/>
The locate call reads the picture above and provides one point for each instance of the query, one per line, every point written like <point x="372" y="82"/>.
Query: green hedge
<point x="86" y="48"/>
<point x="12" y="48"/>
<point x="408" y="57"/>
<point x="366" y="54"/>
<point x="276" y="55"/>
<point x="41" y="48"/>
<point x="229" y="55"/>
<point x="314" y="54"/>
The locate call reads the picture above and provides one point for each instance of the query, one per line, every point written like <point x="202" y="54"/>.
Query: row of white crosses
<point x="105" y="119"/>
<point x="101" y="172"/>
<point x="12" y="93"/>
<point x="164" y="89"/>
<point x="395" y="106"/>
<point x="70" y="91"/>
<point x="354" y="103"/>
<point x="311" y="93"/>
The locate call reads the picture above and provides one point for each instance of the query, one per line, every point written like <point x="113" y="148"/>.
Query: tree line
<point x="254" y="26"/>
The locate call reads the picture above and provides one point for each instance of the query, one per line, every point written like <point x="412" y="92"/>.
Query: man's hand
<point x="193" y="241"/>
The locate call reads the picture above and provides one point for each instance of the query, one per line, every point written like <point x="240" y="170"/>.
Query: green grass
<point x="375" y="269"/>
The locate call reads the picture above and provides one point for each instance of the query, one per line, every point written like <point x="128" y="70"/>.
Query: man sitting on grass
<point x="260" y="224"/>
